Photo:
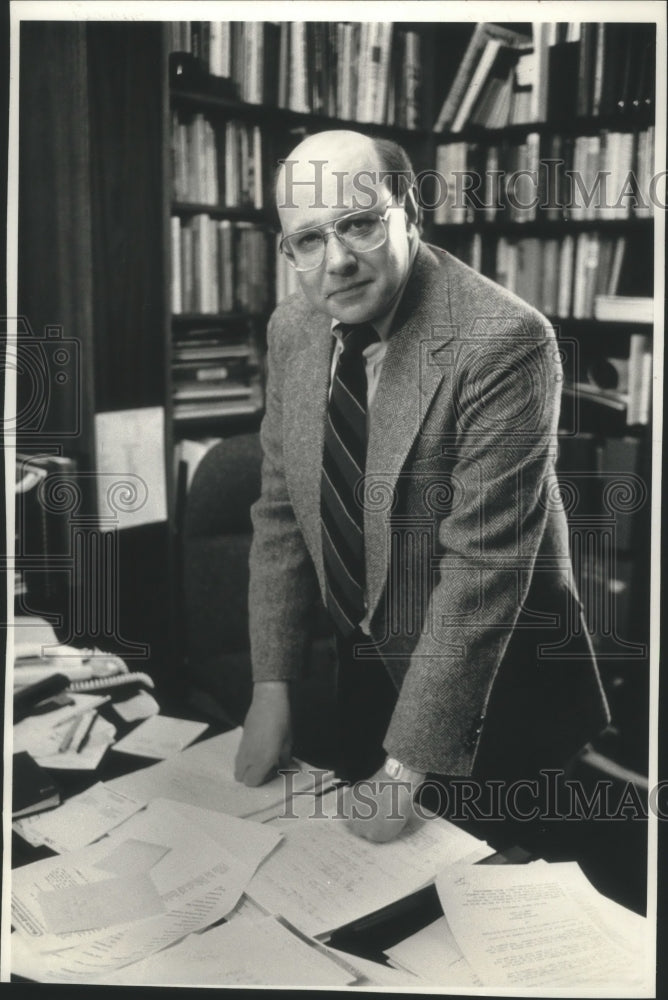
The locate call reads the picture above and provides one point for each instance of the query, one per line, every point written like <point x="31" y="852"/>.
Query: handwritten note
<point x="323" y="876"/>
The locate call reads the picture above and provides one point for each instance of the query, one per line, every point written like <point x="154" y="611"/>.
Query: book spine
<point x="175" y="265"/>
<point x="413" y="79"/>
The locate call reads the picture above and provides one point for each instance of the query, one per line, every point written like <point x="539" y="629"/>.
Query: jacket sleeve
<point x="283" y="585"/>
<point x="506" y="400"/>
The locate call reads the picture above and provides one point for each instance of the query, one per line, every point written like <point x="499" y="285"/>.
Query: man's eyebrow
<point x="315" y="224"/>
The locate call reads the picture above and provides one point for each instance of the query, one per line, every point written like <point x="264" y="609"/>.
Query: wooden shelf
<point x="599" y="327"/>
<point x="212" y="320"/>
<point x="200" y="100"/>
<point x="638" y="119"/>
<point x="241" y="213"/>
<point x="286" y="118"/>
<point x="218" y="425"/>
<point x="546" y="227"/>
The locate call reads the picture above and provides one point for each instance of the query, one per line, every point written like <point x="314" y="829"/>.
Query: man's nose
<point x="338" y="257"/>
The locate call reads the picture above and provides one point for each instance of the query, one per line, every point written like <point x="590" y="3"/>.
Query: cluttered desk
<point x="138" y="859"/>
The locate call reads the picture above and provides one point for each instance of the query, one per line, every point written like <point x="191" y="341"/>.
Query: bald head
<point x="331" y="170"/>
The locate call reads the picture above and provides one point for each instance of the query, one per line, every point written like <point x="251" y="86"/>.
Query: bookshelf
<point x="190" y="163"/>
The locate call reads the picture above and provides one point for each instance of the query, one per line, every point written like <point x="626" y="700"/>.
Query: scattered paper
<point x="239" y="953"/>
<point x="100" y="738"/>
<point x="323" y="876"/>
<point x="99" y="904"/>
<point x="132" y="858"/>
<point x="518" y="925"/>
<point x="42" y="735"/>
<point x="624" y="927"/>
<point x="246" y="909"/>
<point x="79" y="821"/>
<point x="374" y="974"/>
<point x="434" y="956"/>
<point x="161" y="736"/>
<point x="141" y="706"/>
<point x="203" y="775"/>
<point x="249" y="842"/>
<point x="198" y="881"/>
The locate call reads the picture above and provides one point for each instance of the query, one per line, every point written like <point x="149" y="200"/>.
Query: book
<point x="624" y="308"/>
<point x="412" y="81"/>
<point x="209" y="390"/>
<point x="476" y="83"/>
<point x="482" y="34"/>
<point x="216" y="408"/>
<point x="33" y="788"/>
<point x="640" y="379"/>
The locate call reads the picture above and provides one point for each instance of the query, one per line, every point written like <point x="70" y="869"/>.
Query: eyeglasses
<point x="360" y="232"/>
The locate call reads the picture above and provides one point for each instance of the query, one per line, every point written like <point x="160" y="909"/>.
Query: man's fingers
<point x="256" y="775"/>
<point x="240" y="765"/>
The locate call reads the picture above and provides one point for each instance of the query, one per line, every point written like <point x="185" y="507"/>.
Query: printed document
<point x="518" y="925"/>
<point x="197" y="882"/>
<point x="79" y="821"/>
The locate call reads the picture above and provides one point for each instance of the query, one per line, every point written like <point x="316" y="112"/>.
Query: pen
<point x="66" y="741"/>
<point x="86" y="733"/>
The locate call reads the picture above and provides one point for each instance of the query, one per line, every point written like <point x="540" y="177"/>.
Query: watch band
<point x="395" y="769"/>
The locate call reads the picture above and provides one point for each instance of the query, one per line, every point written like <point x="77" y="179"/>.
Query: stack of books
<point x="213" y="377"/>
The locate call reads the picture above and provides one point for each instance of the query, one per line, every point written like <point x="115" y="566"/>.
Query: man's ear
<point x="412" y="209"/>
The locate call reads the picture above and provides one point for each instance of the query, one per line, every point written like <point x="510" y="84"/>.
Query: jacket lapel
<point x="305" y="405"/>
<point x="409" y="379"/>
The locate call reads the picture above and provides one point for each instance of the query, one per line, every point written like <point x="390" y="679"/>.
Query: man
<point x="408" y="479"/>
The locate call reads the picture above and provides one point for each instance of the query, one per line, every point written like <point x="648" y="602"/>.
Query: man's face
<point x="351" y="286"/>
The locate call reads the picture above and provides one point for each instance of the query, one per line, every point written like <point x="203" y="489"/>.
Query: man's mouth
<point x="347" y="288"/>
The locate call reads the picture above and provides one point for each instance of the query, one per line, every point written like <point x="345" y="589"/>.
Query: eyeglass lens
<point x="361" y="232"/>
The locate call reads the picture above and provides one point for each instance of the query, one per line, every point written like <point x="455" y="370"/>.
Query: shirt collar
<point x="383" y="324"/>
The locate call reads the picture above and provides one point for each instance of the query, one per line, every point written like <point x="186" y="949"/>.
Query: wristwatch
<point x="395" y="769"/>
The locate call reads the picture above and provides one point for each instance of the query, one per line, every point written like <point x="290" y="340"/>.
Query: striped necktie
<point x="343" y="465"/>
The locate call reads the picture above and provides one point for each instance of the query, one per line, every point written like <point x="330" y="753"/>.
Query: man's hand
<point x="381" y="806"/>
<point x="266" y="743"/>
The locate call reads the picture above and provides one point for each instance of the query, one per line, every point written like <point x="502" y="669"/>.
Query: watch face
<point x="392" y="767"/>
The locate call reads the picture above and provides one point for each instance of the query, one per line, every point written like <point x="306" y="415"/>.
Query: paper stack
<point x="532" y="926"/>
<point x="165" y="872"/>
<point x="150" y="864"/>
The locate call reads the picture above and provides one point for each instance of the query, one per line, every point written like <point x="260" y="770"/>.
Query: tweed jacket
<point x="469" y="589"/>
